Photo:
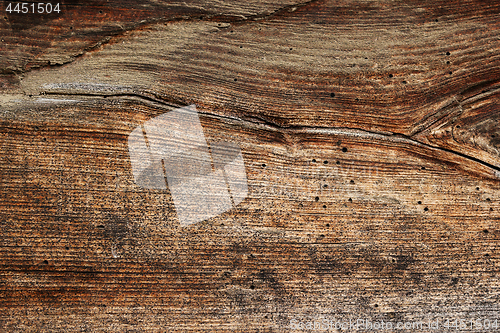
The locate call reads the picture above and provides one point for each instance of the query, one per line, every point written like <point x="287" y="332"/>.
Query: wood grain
<point x="372" y="171"/>
<point x="388" y="74"/>
<point x="34" y="41"/>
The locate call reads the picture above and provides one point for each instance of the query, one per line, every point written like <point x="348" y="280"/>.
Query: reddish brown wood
<point x="372" y="170"/>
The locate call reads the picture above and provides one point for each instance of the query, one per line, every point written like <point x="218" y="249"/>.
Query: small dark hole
<point x="487" y="255"/>
<point x="321" y="236"/>
<point x="485" y="231"/>
<point x="263" y="165"/>
<point x="350" y="200"/>
<point x="291" y="49"/>
<point x="393" y="260"/>
<point x="232" y="31"/>
<point x="447" y="53"/>
<point x="448" y="62"/>
<point x="338" y="162"/>
<point x="324" y="206"/>
<point x="426" y="209"/>
<point x="100" y="12"/>
<point x="43" y="139"/>
<point x="450" y="72"/>
<point x="325" y="162"/>
<point x="423" y="168"/>
<point x="357" y="99"/>
<point x="252" y="287"/>
<point x="491" y="209"/>
<point x="265" y="316"/>
<point x="488" y="199"/>
<point x="390" y="75"/>
<point x="100" y="226"/>
<point x="325" y="186"/>
<point x="45" y="262"/>
<point x="317" y="198"/>
<point x="71" y="28"/>
<point x="67" y="247"/>
<point x="332" y="94"/>
<point x="420" y="202"/>
<point x="458" y="126"/>
<point x="436" y="20"/>
<point x="235" y="80"/>
<point x="376" y="305"/>
<point x="241" y="46"/>
<point x="477" y="188"/>
<point x="404" y="82"/>
<point x="352" y="181"/>
<point x="344" y="149"/>
<point x="327" y="225"/>
<point x="314" y="160"/>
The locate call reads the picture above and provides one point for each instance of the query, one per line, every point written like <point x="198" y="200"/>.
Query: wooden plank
<point x="387" y="71"/>
<point x="375" y="203"/>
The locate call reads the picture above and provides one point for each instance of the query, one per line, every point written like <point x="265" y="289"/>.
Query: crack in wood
<point x="222" y="18"/>
<point x="394" y="137"/>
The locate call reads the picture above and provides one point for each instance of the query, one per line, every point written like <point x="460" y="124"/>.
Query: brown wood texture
<point x="370" y="137"/>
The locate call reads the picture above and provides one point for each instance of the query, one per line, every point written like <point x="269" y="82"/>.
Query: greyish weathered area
<point x="370" y="137"/>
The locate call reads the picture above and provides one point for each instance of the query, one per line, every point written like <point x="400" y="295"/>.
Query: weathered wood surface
<point x="369" y="131"/>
